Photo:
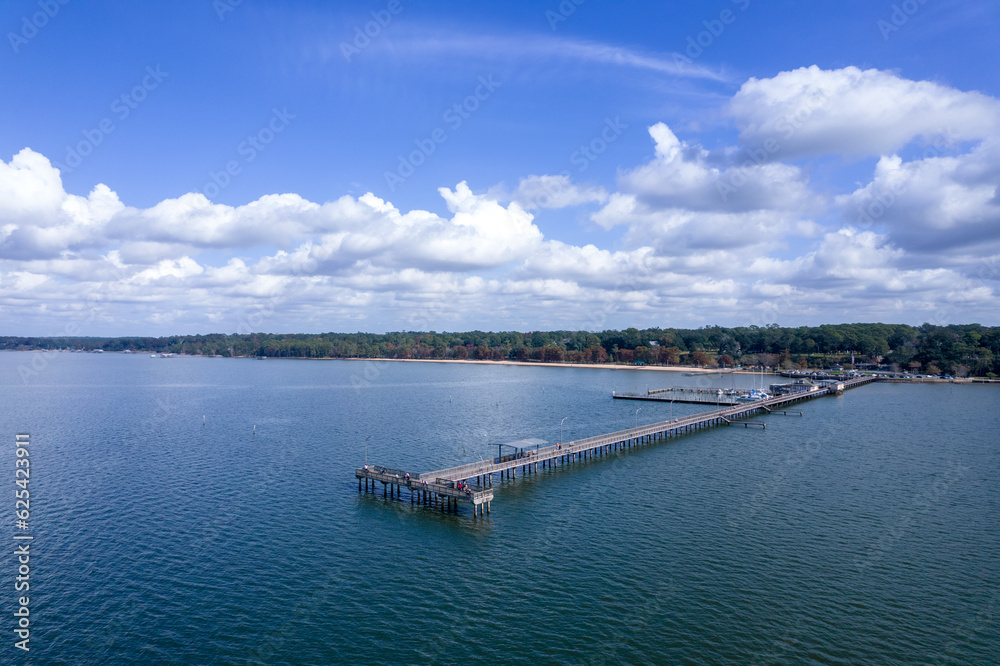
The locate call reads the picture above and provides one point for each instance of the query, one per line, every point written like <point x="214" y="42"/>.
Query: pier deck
<point x="441" y="487"/>
<point x="689" y="396"/>
<point x="443" y="492"/>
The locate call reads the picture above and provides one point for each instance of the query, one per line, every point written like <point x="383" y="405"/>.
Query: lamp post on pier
<point x="366" y="450"/>
<point x="560" y="428"/>
<point x="637" y="417"/>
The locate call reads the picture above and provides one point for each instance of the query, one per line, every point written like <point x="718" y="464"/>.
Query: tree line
<point x="966" y="349"/>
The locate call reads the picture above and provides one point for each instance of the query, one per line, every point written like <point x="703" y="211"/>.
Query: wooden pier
<point x="689" y="396"/>
<point x="472" y="484"/>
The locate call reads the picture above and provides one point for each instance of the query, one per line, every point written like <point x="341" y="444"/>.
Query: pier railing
<point x="728" y="412"/>
<point x="442" y="482"/>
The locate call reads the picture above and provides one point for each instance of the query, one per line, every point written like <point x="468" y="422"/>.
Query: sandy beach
<point x="593" y="366"/>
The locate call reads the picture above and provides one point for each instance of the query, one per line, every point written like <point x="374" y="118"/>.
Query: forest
<point x="960" y="350"/>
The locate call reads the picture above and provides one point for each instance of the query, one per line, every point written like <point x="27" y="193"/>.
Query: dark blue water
<point x="866" y="531"/>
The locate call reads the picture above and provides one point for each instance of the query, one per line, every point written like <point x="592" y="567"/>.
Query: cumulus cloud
<point x="691" y="236"/>
<point x="556" y="191"/>
<point x="681" y="175"/>
<point x="168" y="269"/>
<point x="595" y="267"/>
<point x="38" y="219"/>
<point x="678" y="231"/>
<point x="30" y="188"/>
<point x="194" y="220"/>
<point x="811" y="111"/>
<point x="742" y="215"/>
<point x="861" y="266"/>
<point x="936" y="204"/>
<point x="481" y="233"/>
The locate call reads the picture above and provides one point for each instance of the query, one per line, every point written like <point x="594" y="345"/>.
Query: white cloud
<point x="39" y="219"/>
<point x="539" y="47"/>
<point x="941" y="205"/>
<point x="30" y="187"/>
<point x="557" y="191"/>
<point x="678" y="231"/>
<point x="682" y="176"/>
<point x="194" y="220"/>
<point x="811" y="111"/>
<point x="594" y="267"/>
<point x="168" y="268"/>
<point x="692" y="236"/>
<point x="480" y="234"/>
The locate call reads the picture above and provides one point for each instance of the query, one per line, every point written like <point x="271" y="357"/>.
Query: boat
<point x="753" y="395"/>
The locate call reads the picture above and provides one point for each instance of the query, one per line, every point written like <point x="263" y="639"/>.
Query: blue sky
<point x="222" y="166"/>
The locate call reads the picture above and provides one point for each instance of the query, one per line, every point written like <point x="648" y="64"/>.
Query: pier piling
<point x="450" y="487"/>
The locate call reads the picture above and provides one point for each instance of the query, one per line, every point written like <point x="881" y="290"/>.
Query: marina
<point x="718" y="396"/>
<point x="472" y="484"/>
<point x="694" y="396"/>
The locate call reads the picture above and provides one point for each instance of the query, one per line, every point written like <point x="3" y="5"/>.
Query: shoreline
<point x="595" y="366"/>
<point x="656" y="368"/>
<point x="538" y="364"/>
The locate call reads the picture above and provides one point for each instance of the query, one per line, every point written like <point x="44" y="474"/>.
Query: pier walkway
<point x="694" y="396"/>
<point x="473" y="483"/>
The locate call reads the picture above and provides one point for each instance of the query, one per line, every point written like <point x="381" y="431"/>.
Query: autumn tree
<point x="551" y="354"/>
<point x="597" y="354"/>
<point x="669" y="355"/>
<point x="700" y="359"/>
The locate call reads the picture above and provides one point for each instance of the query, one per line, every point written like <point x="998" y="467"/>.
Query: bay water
<point x="204" y="510"/>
